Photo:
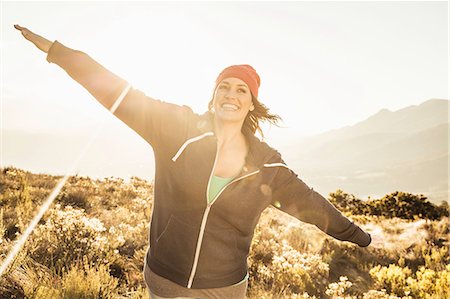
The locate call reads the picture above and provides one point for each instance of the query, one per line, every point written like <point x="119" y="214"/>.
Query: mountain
<point x="405" y="150"/>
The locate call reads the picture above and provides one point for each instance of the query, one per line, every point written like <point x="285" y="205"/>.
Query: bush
<point x="88" y="281"/>
<point x="393" y="278"/>
<point x="276" y="266"/>
<point x="425" y="283"/>
<point x="338" y="289"/>
<point x="346" y="202"/>
<point x="67" y="236"/>
<point x="397" y="204"/>
<point x="76" y="197"/>
<point x="406" y="206"/>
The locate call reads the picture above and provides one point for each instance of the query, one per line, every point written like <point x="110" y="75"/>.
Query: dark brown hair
<point x="252" y="120"/>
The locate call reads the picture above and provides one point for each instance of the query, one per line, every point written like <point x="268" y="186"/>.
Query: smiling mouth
<point x="229" y="107"/>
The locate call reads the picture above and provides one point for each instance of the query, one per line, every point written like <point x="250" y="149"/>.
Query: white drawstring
<point x="187" y="142"/>
<point x="275" y="165"/>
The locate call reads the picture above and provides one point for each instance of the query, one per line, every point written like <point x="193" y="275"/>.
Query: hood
<point x="259" y="151"/>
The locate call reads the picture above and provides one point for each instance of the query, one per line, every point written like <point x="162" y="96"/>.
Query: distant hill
<point x="122" y="155"/>
<point x="405" y="150"/>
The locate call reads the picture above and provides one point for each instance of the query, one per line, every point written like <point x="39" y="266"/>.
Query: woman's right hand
<point x="41" y="43"/>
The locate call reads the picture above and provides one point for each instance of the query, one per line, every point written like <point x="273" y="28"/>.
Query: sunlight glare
<point x="16" y="248"/>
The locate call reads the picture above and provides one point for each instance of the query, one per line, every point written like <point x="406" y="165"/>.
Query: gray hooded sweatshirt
<point x="192" y="242"/>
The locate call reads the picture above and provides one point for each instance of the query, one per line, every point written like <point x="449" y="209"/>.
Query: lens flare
<point x="19" y="244"/>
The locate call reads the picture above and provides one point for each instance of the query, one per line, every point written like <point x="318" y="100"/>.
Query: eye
<point x="223" y="86"/>
<point x="241" y="90"/>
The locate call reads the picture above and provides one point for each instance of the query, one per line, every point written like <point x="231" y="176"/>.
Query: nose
<point x="231" y="94"/>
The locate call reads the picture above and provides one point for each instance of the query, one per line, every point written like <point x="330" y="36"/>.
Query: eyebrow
<point x="237" y="85"/>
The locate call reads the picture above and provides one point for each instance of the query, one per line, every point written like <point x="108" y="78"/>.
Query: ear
<point x="252" y="108"/>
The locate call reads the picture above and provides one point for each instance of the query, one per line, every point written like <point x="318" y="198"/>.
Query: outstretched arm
<point x="156" y="121"/>
<point x="100" y="82"/>
<point x="294" y="197"/>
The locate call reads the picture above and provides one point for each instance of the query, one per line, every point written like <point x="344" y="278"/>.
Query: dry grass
<point x="91" y="244"/>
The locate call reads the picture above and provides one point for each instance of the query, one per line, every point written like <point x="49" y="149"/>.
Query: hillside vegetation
<point x="92" y="241"/>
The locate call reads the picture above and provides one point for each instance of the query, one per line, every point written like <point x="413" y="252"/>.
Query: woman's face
<point x="232" y="100"/>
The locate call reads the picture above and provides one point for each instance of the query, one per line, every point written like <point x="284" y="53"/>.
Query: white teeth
<point x="230" y="106"/>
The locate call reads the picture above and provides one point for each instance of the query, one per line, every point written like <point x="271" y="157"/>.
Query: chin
<point x="228" y="117"/>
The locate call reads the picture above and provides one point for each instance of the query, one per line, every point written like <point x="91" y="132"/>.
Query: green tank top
<point x="215" y="185"/>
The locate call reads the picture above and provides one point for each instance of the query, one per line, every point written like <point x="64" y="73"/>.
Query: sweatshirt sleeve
<point x="291" y="195"/>
<point x="158" y="122"/>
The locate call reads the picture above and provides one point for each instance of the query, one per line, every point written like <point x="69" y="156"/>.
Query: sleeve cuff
<point x="363" y="239"/>
<point x="51" y="51"/>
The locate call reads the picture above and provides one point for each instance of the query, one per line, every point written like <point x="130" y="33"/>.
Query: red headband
<point x="244" y="72"/>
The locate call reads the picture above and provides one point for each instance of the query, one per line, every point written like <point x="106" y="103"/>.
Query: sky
<point x="323" y="65"/>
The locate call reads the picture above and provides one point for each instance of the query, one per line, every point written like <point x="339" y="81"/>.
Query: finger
<point x="24" y="30"/>
<point x="19" y="27"/>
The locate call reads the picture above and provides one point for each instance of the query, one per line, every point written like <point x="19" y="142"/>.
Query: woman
<point x="213" y="178"/>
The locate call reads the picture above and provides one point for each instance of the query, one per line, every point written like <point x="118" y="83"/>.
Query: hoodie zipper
<point x="205" y="216"/>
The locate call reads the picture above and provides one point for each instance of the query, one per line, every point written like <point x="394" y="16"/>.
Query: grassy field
<point x="92" y="241"/>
